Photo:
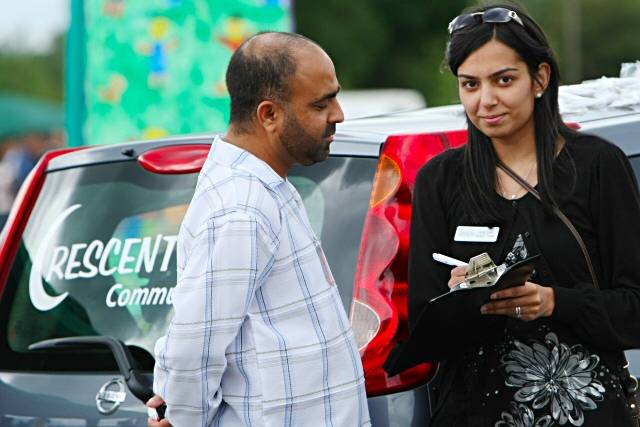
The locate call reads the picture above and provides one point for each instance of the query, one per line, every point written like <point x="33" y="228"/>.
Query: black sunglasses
<point x="495" y="15"/>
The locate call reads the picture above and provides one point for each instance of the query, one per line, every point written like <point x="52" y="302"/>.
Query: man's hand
<point x="527" y="302"/>
<point x="152" y="404"/>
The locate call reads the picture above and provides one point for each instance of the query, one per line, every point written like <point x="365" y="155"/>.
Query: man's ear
<point x="269" y="115"/>
<point x="543" y="76"/>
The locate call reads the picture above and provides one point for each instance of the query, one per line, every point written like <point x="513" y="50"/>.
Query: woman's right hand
<point x="458" y="275"/>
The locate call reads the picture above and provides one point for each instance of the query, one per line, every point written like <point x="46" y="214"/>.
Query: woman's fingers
<point x="527" y="302"/>
<point x="508" y="306"/>
<point x="460" y="270"/>
<point x="457" y="275"/>
<point x="525" y="313"/>
<point x="516" y="291"/>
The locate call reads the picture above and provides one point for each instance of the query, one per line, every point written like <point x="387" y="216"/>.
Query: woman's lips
<point x="493" y="120"/>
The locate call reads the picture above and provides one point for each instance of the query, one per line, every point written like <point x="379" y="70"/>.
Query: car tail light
<point x="379" y="309"/>
<point x="20" y="211"/>
<point x="175" y="159"/>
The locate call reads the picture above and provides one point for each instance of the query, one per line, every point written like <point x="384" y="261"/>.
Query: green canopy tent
<point x="21" y="115"/>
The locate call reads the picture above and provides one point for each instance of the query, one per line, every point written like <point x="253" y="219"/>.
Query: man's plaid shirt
<point x="259" y="336"/>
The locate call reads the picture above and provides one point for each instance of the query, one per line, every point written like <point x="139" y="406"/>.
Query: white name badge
<point x="467" y="233"/>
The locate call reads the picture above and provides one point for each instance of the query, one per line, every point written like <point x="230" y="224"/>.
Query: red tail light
<point x="379" y="310"/>
<point x="22" y="207"/>
<point x="175" y="159"/>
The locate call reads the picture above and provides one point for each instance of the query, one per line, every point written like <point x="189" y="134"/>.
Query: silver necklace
<point x="514" y="195"/>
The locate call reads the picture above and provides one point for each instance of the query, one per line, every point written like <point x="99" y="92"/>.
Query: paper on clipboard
<point x="453" y="320"/>
<point x="485" y="275"/>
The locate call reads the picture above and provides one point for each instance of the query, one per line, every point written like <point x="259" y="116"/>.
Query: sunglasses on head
<point x="495" y="15"/>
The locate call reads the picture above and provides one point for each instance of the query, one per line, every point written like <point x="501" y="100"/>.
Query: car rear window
<point x="336" y="194"/>
<point x="98" y="255"/>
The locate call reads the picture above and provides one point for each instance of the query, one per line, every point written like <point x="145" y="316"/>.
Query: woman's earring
<point x="539" y="94"/>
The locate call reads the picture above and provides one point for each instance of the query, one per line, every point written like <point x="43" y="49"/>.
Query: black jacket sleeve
<point x="609" y="317"/>
<point x="429" y="234"/>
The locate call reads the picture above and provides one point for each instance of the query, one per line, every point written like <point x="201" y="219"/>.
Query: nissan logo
<point x="110" y="396"/>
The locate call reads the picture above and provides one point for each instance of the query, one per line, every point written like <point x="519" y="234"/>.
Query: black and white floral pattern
<point x="556" y="375"/>
<point x="520" y="415"/>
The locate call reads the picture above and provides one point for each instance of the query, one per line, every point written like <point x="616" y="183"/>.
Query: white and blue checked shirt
<point x="259" y="336"/>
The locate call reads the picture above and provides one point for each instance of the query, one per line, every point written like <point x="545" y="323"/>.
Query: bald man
<point x="260" y="336"/>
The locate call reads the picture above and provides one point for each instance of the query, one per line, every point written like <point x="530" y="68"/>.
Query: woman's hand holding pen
<point x="458" y="275"/>
<point x="527" y="302"/>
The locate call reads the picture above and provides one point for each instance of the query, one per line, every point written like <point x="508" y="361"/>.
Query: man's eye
<point x="321" y="106"/>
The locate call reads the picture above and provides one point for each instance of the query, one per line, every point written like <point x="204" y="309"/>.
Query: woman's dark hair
<point x="530" y="43"/>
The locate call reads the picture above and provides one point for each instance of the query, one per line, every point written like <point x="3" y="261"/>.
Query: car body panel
<point x="365" y="137"/>
<point x="61" y="399"/>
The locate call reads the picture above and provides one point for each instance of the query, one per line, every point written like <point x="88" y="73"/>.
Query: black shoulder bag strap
<point x="560" y="215"/>
<point x="631" y="381"/>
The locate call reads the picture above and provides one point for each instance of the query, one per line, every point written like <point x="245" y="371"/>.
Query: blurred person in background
<point x="8" y="175"/>
<point x="30" y="148"/>
<point x="29" y="128"/>
<point x="18" y="155"/>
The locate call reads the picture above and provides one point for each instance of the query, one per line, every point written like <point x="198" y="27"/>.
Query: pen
<point x="447" y="260"/>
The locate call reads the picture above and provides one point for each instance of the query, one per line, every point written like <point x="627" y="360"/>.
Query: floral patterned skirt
<point x="537" y="380"/>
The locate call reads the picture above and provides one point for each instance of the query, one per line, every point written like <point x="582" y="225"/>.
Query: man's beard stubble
<point x="303" y="147"/>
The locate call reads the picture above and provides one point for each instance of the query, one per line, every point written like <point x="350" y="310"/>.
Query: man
<point x="260" y="336"/>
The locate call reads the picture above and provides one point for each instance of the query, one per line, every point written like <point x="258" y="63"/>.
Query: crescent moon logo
<point x="39" y="297"/>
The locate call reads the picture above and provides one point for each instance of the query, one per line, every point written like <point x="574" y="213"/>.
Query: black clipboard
<point x="452" y="321"/>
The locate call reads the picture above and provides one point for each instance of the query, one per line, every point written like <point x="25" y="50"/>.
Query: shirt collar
<point x="227" y="154"/>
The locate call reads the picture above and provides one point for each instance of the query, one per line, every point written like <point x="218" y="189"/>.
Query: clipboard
<point x="452" y="321"/>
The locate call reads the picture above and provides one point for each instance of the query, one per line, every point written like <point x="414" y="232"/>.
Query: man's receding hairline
<point x="264" y="43"/>
<point x="264" y="67"/>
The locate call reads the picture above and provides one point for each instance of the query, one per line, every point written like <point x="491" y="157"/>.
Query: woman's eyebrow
<point x="497" y="73"/>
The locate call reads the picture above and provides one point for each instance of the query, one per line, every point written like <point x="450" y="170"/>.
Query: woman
<point x="550" y="352"/>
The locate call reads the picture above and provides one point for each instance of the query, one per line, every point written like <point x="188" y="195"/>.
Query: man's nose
<point x="337" y="115"/>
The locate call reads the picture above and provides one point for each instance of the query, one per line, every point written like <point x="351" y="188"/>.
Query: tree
<point x="607" y="34"/>
<point x="400" y="43"/>
<point x="384" y="43"/>
<point x="37" y="75"/>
